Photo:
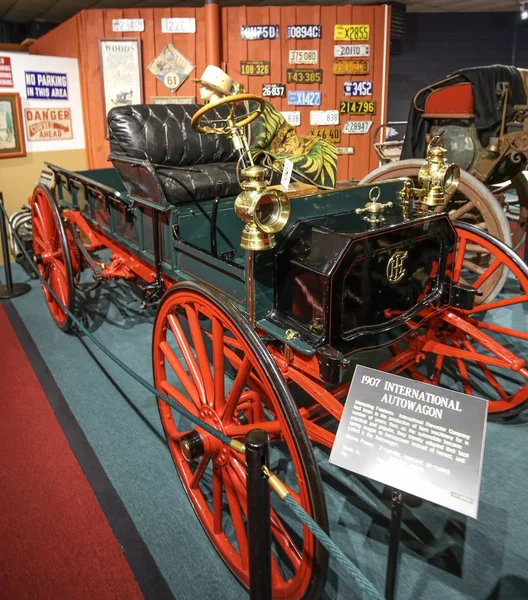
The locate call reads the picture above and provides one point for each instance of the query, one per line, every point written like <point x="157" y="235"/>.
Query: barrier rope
<point x="274" y="482"/>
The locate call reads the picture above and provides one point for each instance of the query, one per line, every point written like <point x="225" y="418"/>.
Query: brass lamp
<point x="438" y="178"/>
<point x="264" y="210"/>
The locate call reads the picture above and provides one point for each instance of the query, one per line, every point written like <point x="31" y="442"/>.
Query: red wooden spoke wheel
<point x="475" y="351"/>
<point x="52" y="254"/>
<point x="208" y="358"/>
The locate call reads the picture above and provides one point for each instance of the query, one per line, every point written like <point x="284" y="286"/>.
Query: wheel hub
<point x="199" y="442"/>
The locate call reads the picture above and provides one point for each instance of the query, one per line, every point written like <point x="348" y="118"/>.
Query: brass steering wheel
<point x="232" y="122"/>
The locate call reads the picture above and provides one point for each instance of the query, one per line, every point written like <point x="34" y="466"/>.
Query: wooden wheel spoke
<point x="218" y="364"/>
<point x="254" y="382"/>
<point x="500" y="304"/>
<point x="200" y="469"/>
<point x="463" y="372"/>
<point x="236" y="512"/>
<point x="178" y="396"/>
<point x="522" y="335"/>
<point x="180" y="372"/>
<point x="459" y="212"/>
<point x="461" y="250"/>
<point x="474" y="268"/>
<point x="201" y="352"/>
<point x="487" y="373"/>
<point x="217" y="499"/>
<point x="188" y="356"/>
<point x="486" y="274"/>
<point x="236" y="390"/>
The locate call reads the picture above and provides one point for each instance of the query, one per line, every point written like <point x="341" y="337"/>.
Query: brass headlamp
<point x="264" y="210"/>
<point x="438" y="179"/>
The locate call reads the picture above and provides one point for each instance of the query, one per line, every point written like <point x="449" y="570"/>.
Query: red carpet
<point x="55" y="541"/>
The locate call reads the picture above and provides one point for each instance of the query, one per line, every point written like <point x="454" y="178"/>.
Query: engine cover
<point x="344" y="285"/>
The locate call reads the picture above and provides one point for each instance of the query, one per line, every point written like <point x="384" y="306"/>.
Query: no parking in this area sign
<point x="415" y="437"/>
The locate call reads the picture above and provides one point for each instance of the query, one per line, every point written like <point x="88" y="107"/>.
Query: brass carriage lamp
<point x="264" y="210"/>
<point x="438" y="178"/>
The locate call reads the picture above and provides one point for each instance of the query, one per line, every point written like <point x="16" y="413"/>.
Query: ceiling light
<point x="524" y="11"/>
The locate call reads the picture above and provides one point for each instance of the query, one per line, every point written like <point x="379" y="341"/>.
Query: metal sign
<point x="415" y="437"/>
<point x="351" y="33"/>
<point x="259" y="32"/>
<point x="303" y="32"/>
<point x="273" y="90"/>
<point x="6" y="73"/>
<point x="324" y="117"/>
<point x="351" y="67"/>
<point x="304" y="98"/>
<point x="352" y="50"/>
<point x="293" y="117"/>
<point x="124" y="25"/>
<point x="171" y="67"/>
<point x="254" y="68"/>
<point x="330" y="134"/>
<point x="357" y="88"/>
<point x="304" y="75"/>
<point x="45" y="124"/>
<point x="46" y="86"/>
<point x="173" y="99"/>
<point x="178" y="25"/>
<point x="345" y="150"/>
<point x="352" y="127"/>
<point x="304" y="57"/>
<point x="357" y="107"/>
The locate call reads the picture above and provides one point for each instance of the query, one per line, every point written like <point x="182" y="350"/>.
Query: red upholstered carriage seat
<point x="451" y="102"/>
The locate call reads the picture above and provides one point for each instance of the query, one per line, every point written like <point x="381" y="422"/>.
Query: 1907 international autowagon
<point x="266" y="298"/>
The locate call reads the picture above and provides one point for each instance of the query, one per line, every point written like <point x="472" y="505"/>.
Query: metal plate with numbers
<point x="351" y="33"/>
<point x="259" y="32"/>
<point x="357" y="107"/>
<point x="125" y="25"/>
<point x="351" y="50"/>
<point x="351" y="67"/>
<point x="356" y="127"/>
<point x="324" y="117"/>
<point x="304" y="75"/>
<point x="357" y="88"/>
<point x="254" y="68"/>
<point x="293" y="117"/>
<point x="178" y="25"/>
<point x="273" y="90"/>
<point x="303" y="32"/>
<point x="304" y="98"/>
<point x="330" y="134"/>
<point x="304" y="57"/>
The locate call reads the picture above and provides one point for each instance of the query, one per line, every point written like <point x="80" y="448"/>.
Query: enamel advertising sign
<point x="45" y="124"/>
<point x="6" y="74"/>
<point x="46" y="86"/>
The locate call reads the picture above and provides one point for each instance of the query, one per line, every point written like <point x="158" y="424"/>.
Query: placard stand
<point x="10" y="289"/>
<point x="394" y="543"/>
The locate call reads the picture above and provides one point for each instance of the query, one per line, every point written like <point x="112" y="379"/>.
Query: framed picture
<point x="12" y="142"/>
<point x="121" y="72"/>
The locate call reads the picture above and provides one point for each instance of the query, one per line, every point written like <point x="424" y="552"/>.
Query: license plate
<point x="351" y="67"/>
<point x="304" y="57"/>
<point x="304" y="75"/>
<point x="352" y="50"/>
<point x="254" y="68"/>
<point x="293" y="117"/>
<point x="303" y="32"/>
<point x="352" y="127"/>
<point x="324" y="117"/>
<point x="304" y="98"/>
<point x="357" y="107"/>
<point x="331" y="134"/>
<point x="351" y="33"/>
<point x="259" y="32"/>
<point x="273" y="90"/>
<point x="358" y="88"/>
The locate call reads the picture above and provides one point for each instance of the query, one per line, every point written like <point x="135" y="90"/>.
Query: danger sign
<point x="48" y="124"/>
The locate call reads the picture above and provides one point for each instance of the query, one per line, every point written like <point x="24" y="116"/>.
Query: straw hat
<point x="216" y="80"/>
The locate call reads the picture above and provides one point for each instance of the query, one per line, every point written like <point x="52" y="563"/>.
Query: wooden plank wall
<point x="78" y="38"/>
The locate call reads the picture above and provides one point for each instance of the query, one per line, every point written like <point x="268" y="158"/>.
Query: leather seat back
<point x="162" y="134"/>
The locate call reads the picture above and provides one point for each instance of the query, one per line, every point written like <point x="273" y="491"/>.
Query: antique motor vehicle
<point x="266" y="299"/>
<point x="482" y="116"/>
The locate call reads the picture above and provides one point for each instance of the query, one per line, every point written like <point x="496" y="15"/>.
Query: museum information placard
<point x="413" y="436"/>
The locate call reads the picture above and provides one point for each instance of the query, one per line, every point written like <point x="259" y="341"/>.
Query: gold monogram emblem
<point x="395" y="270"/>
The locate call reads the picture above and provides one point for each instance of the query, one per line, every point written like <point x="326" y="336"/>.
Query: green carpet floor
<point x="445" y="556"/>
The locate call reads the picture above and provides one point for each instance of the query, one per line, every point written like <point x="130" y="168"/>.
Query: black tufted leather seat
<point x="190" y="166"/>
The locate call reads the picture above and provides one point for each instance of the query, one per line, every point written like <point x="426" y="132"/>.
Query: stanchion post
<point x="394" y="544"/>
<point x="9" y="290"/>
<point x="258" y="513"/>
